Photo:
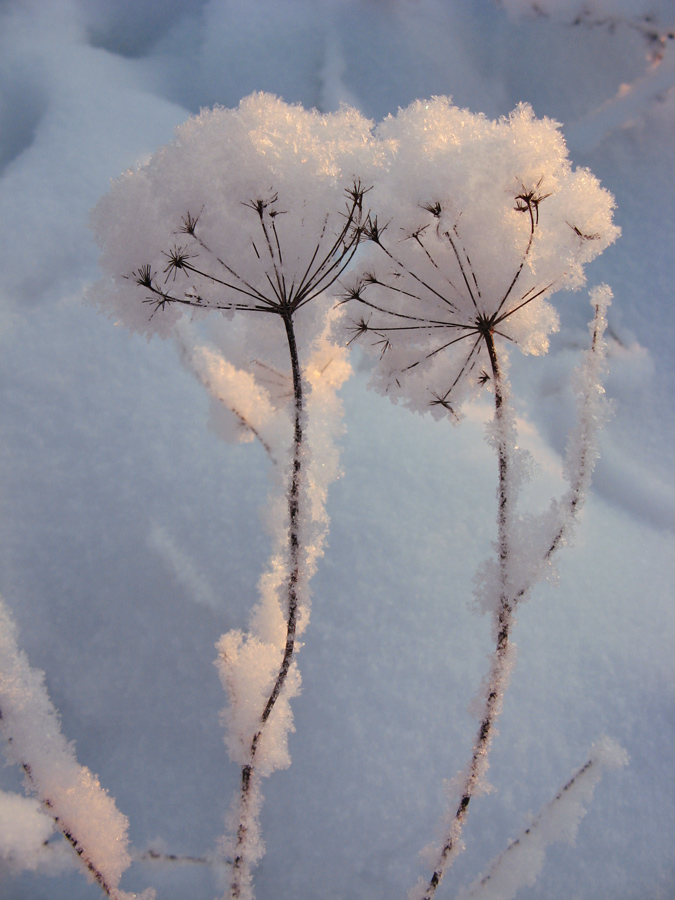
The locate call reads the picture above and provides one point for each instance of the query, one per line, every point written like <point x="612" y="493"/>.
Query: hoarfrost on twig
<point x="69" y="793"/>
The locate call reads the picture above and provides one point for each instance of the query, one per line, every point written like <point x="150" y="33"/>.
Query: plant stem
<point x="579" y="478"/>
<point x="94" y="873"/>
<point x="504" y="617"/>
<point x="248" y="773"/>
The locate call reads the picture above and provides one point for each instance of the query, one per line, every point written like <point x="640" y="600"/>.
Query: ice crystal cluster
<point x="478" y="223"/>
<point x="246" y="209"/>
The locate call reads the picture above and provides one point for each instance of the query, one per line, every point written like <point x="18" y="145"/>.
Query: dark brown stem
<point x="248" y="773"/>
<point x="48" y="805"/>
<point x="496" y="684"/>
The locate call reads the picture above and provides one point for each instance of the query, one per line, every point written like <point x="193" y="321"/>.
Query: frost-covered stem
<point x="502" y="453"/>
<point x="98" y="877"/>
<point x="187" y="360"/>
<point x="496" y="680"/>
<point x="248" y="773"/>
<point x="154" y="856"/>
<point x="523" y="859"/>
<point x="569" y="785"/>
<point x="244" y="422"/>
<point x="478" y="759"/>
<point x="580" y="477"/>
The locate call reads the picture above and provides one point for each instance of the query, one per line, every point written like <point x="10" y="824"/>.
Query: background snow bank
<point x="104" y="440"/>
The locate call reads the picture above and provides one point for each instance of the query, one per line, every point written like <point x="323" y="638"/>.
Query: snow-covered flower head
<point x="256" y="209"/>
<point x="478" y="224"/>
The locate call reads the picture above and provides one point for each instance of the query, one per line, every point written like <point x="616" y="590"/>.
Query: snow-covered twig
<point x="629" y="103"/>
<point x="521" y="862"/>
<point x="547" y="533"/>
<point x="651" y="18"/>
<point x="233" y="389"/>
<point x="68" y="792"/>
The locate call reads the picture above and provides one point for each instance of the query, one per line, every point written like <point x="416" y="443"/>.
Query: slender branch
<point x="522" y="860"/>
<point x="427" y="323"/>
<point x="313" y="283"/>
<point x="353" y="213"/>
<point x="257" y="295"/>
<point x="321" y="281"/>
<point x="580" y="477"/>
<point x="536" y="822"/>
<point x="524" y="302"/>
<point x="189" y="227"/>
<point x="328" y="278"/>
<point x="468" y="332"/>
<point x="416" y="237"/>
<point x="156" y="856"/>
<point x="246" y="424"/>
<point x="414" y="275"/>
<point x="313" y="257"/>
<point x="461" y="372"/>
<point x="281" y="287"/>
<point x="97" y="875"/>
<point x="504" y="617"/>
<point x="461" y="268"/>
<point x="532" y="206"/>
<point x="248" y="775"/>
<point x="162" y="297"/>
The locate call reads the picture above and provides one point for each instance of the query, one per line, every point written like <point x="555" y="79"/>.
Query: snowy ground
<point x="131" y="536"/>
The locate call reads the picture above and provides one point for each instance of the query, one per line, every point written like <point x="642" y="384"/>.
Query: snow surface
<point x="108" y="462"/>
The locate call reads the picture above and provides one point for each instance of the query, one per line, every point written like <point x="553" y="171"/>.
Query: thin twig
<point x="67" y="833"/>
<point x="496" y="679"/>
<point x="248" y="774"/>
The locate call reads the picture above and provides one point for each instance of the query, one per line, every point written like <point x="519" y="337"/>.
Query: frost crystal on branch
<point x="519" y="865"/>
<point x="70" y="794"/>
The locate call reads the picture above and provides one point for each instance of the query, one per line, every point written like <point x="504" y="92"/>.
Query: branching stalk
<point x="509" y="600"/>
<point x="283" y="297"/>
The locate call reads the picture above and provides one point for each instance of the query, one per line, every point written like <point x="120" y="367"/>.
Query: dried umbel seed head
<point x="485" y="221"/>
